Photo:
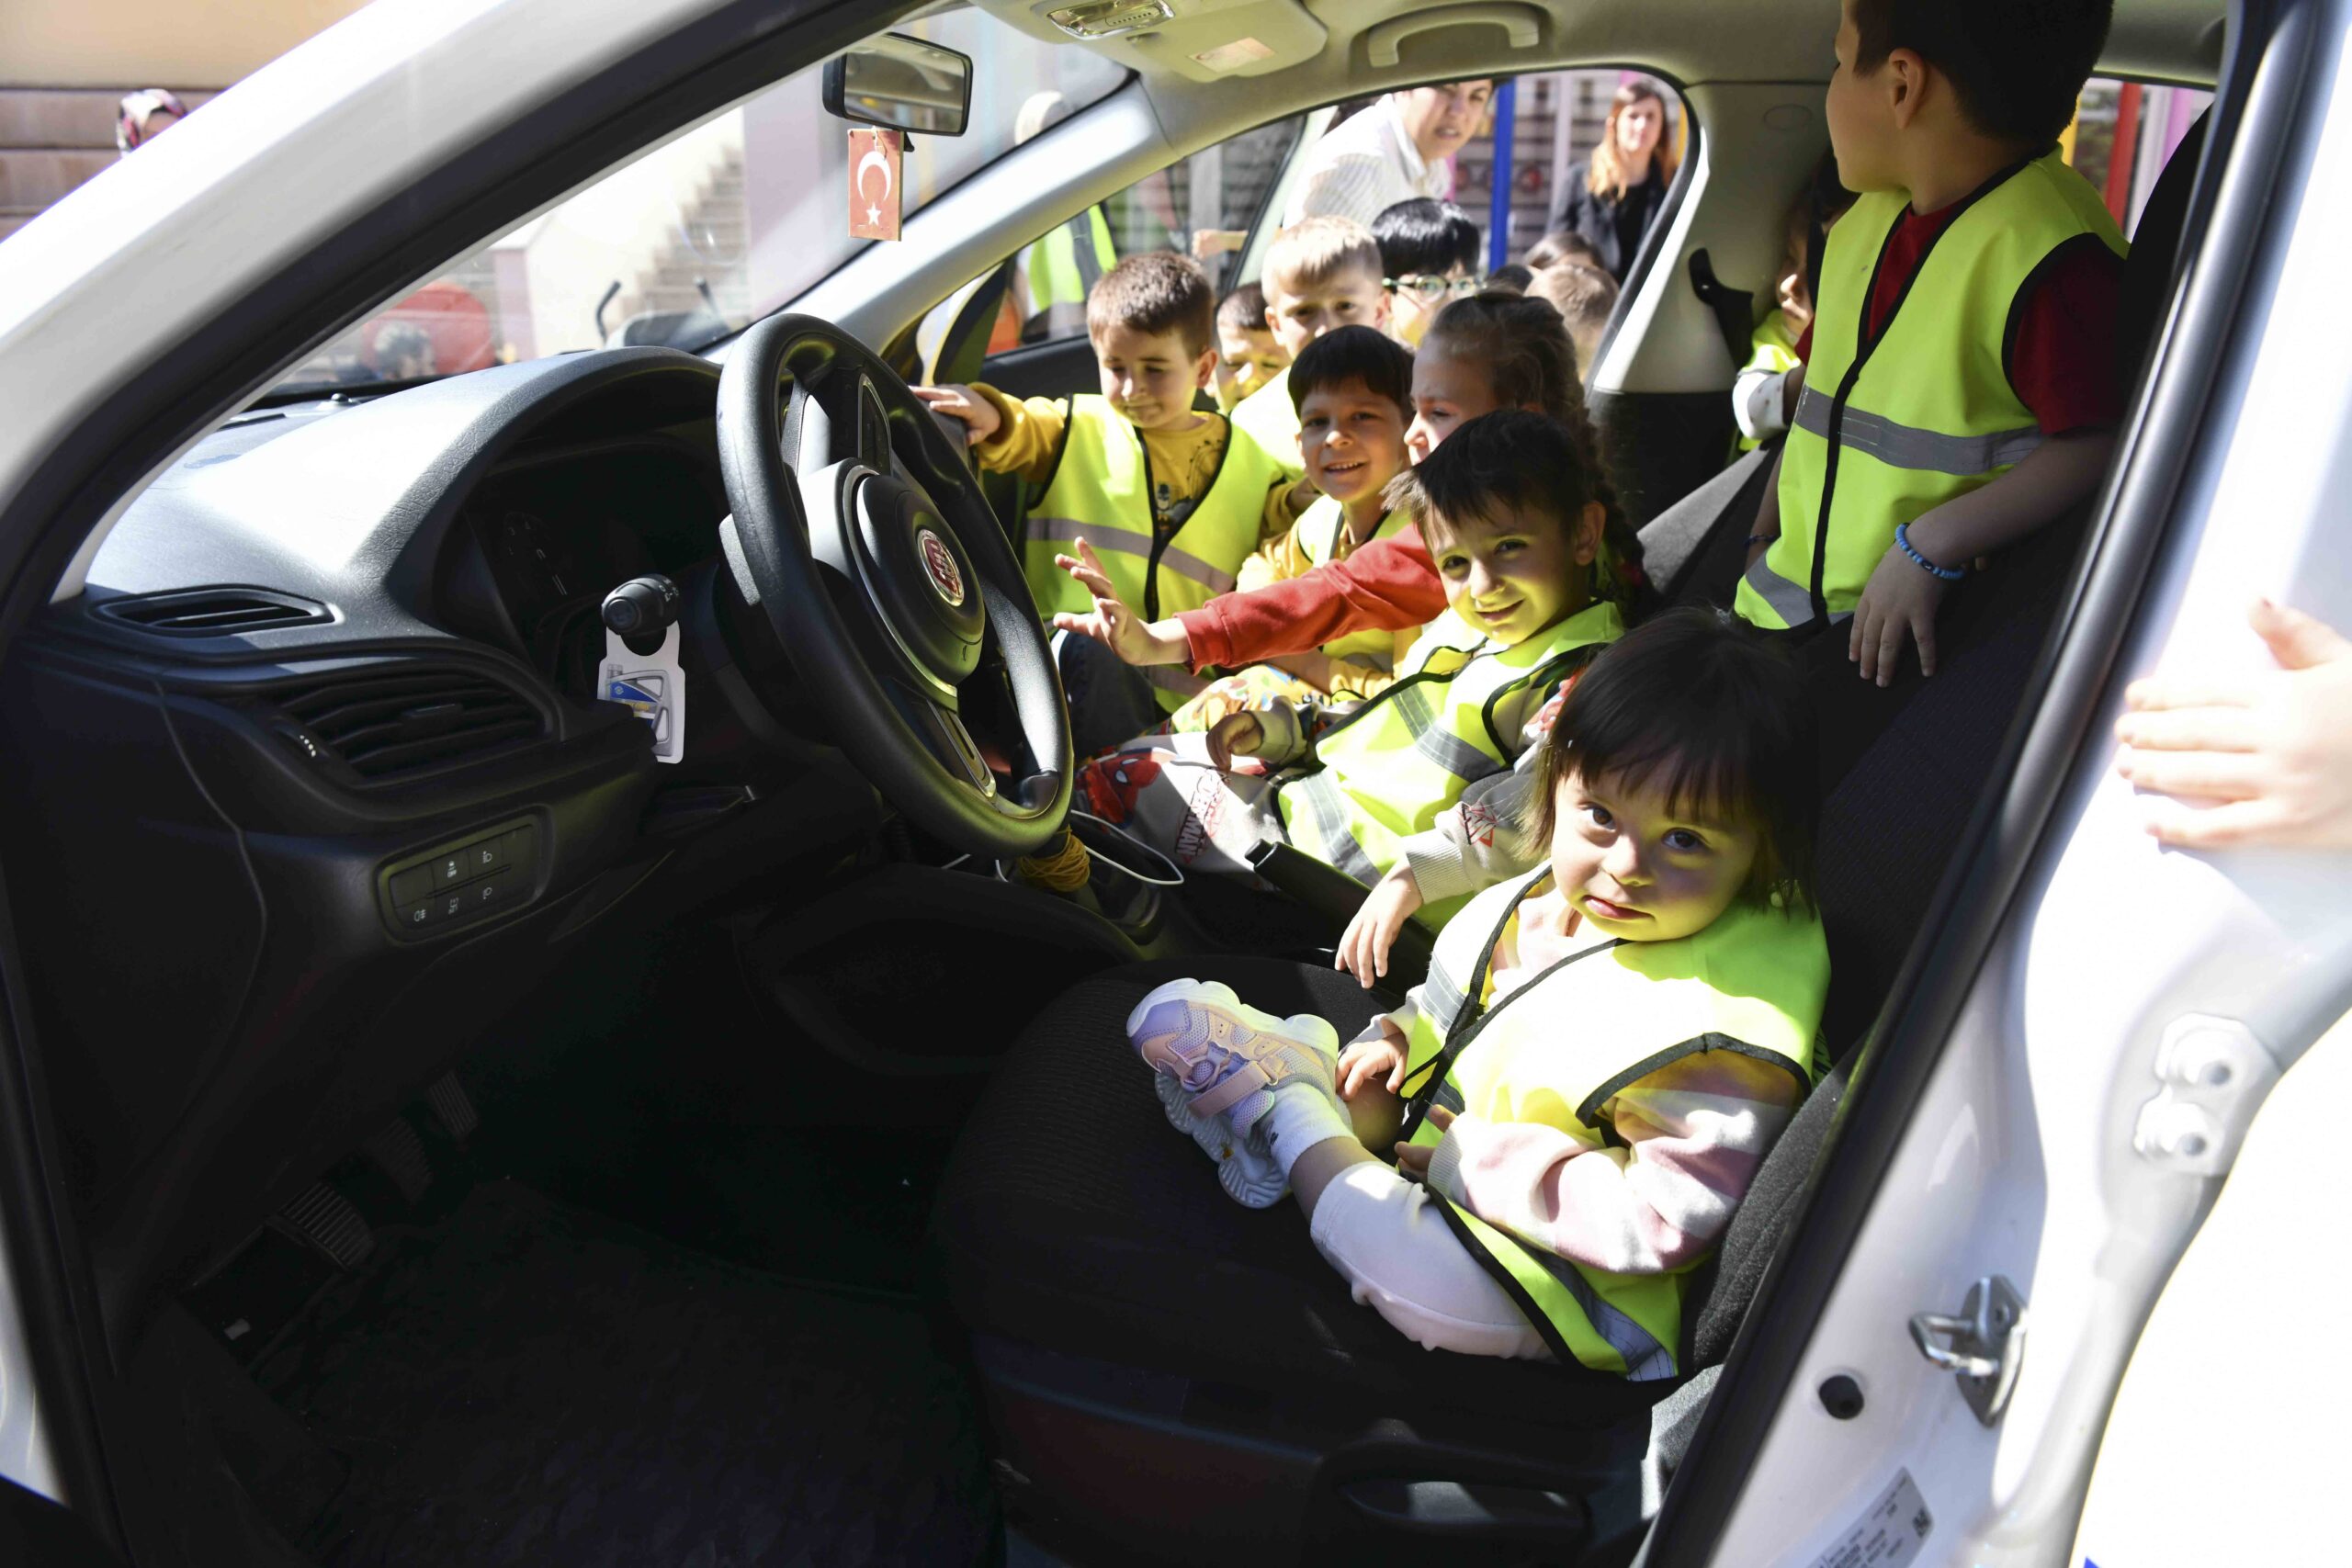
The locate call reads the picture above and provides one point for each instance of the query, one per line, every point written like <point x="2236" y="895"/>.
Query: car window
<point x="717" y="226"/>
<point x="1205" y="206"/>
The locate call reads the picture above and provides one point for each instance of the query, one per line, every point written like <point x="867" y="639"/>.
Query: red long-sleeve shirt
<point x="1388" y="585"/>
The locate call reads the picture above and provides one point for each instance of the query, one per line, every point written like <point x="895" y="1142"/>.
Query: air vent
<point x="214" y="612"/>
<point x="404" y="720"/>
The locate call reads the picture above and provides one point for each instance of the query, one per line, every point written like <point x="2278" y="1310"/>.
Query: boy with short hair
<point x="1429" y="256"/>
<point x="1354" y="391"/>
<point x="1960" y="381"/>
<point x="1247" y="355"/>
<point x="1170" y="498"/>
<point x="1321" y="273"/>
<point x="1586" y="298"/>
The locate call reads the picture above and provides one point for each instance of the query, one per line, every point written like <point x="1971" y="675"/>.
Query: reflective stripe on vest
<point x="1753" y="982"/>
<point x="1271" y="420"/>
<point x="1101" y="488"/>
<point x="1319" y="538"/>
<point x="1395" y="765"/>
<point x="1891" y="427"/>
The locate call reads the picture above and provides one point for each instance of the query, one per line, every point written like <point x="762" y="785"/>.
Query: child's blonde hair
<point x="1316" y="250"/>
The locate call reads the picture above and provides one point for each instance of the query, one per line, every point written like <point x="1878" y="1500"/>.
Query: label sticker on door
<point x="653" y="686"/>
<point x="1889" y="1535"/>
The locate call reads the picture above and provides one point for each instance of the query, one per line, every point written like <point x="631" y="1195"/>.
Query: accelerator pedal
<point x="452" y="1107"/>
<point x="324" y="1220"/>
<point x="399" y="1153"/>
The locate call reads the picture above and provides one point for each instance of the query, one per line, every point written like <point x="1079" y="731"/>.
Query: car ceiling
<point x="1319" y="51"/>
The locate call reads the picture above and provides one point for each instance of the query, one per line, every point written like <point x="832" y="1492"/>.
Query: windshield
<point x="700" y="236"/>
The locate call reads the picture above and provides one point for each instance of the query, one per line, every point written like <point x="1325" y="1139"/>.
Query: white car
<point x="444" y="1119"/>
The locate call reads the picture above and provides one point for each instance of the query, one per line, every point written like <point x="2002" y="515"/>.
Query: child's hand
<point x="1379" y="1060"/>
<point x="1898" y="605"/>
<point x="1235" y="735"/>
<point x="979" y="417"/>
<point x="1112" y="624"/>
<point x="2276" y="748"/>
<point x="1413" y="1159"/>
<point x="1371" y="932"/>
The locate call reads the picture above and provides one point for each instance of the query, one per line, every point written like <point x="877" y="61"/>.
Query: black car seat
<point x="1169" y="1378"/>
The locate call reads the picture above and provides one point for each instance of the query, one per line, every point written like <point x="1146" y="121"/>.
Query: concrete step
<point x="32" y="180"/>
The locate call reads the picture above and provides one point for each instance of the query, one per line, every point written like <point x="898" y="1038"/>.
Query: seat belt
<point x="1735" y="309"/>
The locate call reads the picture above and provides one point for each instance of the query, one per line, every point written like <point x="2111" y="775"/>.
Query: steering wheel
<point x="892" y="587"/>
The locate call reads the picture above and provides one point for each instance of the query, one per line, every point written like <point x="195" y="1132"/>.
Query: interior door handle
<point x="1523" y="24"/>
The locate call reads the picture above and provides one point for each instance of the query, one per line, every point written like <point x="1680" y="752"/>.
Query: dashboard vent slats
<point x="384" y="723"/>
<point x="214" y="612"/>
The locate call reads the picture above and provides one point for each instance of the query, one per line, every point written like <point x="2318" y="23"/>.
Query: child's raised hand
<point x="976" y="414"/>
<point x="1898" y="605"/>
<point x="1379" y="1059"/>
<point x="1235" y="735"/>
<point x="2275" y="749"/>
<point x="1372" y="930"/>
<point x="1111" y="623"/>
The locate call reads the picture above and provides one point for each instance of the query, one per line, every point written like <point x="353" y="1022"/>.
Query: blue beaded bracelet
<point x="1903" y="541"/>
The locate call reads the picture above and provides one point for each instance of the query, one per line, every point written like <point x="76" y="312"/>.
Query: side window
<point x="1205" y="206"/>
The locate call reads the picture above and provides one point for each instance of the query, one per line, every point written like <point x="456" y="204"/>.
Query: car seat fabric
<point x="1073" y="1216"/>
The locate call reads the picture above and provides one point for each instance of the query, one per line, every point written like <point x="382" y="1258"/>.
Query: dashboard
<point x="311" y="787"/>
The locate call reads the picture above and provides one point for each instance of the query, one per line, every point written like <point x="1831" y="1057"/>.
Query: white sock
<point x="1304" y="1113"/>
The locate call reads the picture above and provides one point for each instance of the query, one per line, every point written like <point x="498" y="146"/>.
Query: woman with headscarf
<point x="1625" y="189"/>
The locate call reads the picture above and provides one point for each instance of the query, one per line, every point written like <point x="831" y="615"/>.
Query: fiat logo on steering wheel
<point x="939" y="563"/>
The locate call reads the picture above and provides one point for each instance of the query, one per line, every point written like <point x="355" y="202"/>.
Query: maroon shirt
<point x="2062" y="365"/>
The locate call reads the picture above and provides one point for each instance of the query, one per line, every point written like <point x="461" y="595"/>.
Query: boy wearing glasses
<point x="1321" y="273"/>
<point x="1428" y="255"/>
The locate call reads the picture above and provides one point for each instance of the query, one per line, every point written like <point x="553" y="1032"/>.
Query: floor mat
<point x="530" y="1383"/>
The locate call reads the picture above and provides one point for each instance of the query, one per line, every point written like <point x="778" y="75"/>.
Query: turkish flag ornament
<point x="874" y="184"/>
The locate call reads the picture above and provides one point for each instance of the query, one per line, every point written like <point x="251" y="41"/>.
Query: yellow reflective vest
<point x="1894" y="426"/>
<point x="1557" y="1048"/>
<point x="1389" y="769"/>
<point x="1101" y="488"/>
<point x="1063" y="268"/>
<point x="1271" y="420"/>
<point x="1320" y="527"/>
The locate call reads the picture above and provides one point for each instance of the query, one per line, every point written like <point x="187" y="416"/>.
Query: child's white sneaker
<point x="1219" y="1062"/>
<point x="1245" y="1168"/>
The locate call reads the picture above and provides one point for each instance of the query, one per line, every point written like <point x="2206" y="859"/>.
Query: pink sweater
<point x="1695" y="1130"/>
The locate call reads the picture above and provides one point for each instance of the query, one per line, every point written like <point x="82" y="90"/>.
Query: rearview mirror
<point x="903" y="82"/>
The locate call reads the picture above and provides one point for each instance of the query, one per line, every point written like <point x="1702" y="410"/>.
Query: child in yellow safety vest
<point x="1961" y="386"/>
<point x="1247" y="355"/>
<point x="1172" y="499"/>
<point x="1603" y="1050"/>
<point x="1516" y="516"/>
<point x="1354" y="391"/>
<point x="1322" y="274"/>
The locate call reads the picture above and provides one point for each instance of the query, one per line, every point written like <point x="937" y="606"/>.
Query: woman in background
<point x="1625" y="189"/>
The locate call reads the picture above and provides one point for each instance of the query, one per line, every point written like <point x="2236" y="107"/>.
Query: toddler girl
<point x="1515" y="520"/>
<point x="1602" y="1052"/>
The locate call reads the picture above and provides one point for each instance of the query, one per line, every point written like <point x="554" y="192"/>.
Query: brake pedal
<point x="399" y="1153"/>
<point x="324" y="1220"/>
<point x="452" y="1107"/>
